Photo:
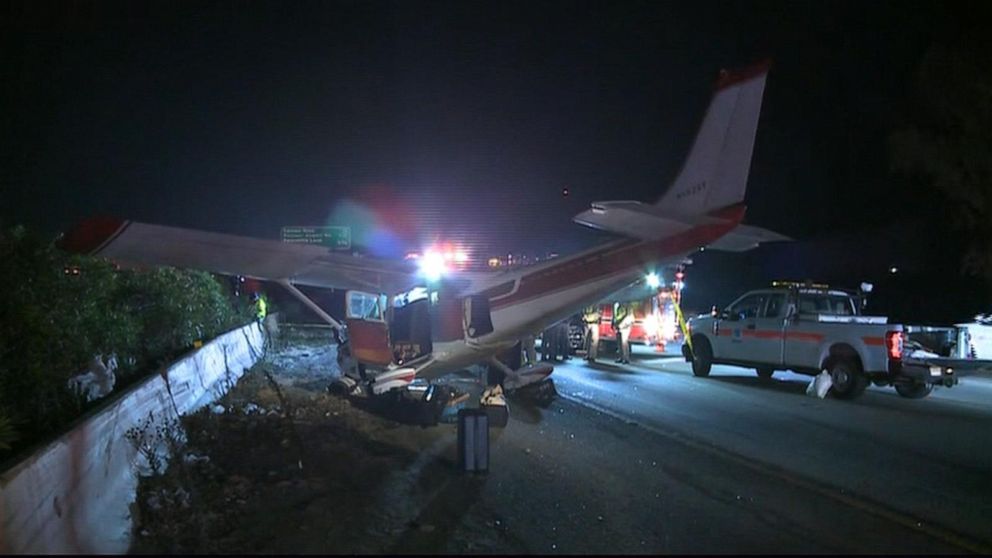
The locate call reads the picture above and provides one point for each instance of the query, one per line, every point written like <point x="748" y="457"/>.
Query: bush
<point x="8" y="434"/>
<point x="60" y="310"/>
<point x="175" y="308"/>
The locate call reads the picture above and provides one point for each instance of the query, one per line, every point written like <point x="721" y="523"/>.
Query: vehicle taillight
<point x="893" y="342"/>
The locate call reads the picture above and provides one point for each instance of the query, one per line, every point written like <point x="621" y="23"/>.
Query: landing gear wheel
<point x="848" y="380"/>
<point x="765" y="373"/>
<point x="702" y="357"/>
<point x="914" y="391"/>
<point x="344" y="387"/>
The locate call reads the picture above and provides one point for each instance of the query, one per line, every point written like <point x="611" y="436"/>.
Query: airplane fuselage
<point x="525" y="301"/>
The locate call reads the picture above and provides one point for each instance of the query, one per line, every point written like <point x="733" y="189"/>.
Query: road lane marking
<point x="939" y="532"/>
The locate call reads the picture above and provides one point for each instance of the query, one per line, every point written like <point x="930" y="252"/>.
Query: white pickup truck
<point x="808" y="329"/>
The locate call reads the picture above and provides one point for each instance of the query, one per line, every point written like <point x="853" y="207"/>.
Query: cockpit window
<point x="364" y="306"/>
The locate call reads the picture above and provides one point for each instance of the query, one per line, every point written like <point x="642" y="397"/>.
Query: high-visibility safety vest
<point x="263" y="308"/>
<point x="620" y="316"/>
<point x="591" y="315"/>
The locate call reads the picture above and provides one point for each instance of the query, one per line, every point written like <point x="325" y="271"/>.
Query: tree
<point x="948" y="141"/>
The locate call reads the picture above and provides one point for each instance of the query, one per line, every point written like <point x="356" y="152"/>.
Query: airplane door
<point x="478" y="321"/>
<point x="448" y="319"/>
<point x="368" y="333"/>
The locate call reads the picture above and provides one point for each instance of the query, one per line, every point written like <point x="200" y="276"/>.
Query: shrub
<point x="59" y="310"/>
<point x="8" y="434"/>
<point x="176" y="308"/>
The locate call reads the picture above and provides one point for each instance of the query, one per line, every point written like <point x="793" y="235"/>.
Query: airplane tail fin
<point x="715" y="172"/>
<point x="714" y="175"/>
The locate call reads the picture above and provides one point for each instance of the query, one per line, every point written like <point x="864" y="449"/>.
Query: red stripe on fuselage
<point x="91" y="235"/>
<point x="729" y="78"/>
<point x="616" y="259"/>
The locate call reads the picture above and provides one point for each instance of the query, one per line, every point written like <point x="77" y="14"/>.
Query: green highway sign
<point x="335" y="238"/>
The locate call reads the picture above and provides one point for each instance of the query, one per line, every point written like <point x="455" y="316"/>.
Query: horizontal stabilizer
<point x="745" y="237"/>
<point x="638" y="220"/>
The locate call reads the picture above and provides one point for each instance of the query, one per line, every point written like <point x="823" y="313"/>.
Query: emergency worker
<point x="549" y="344"/>
<point x="591" y="317"/>
<point x="623" y="321"/>
<point x="564" y="342"/>
<point x="530" y="353"/>
<point x="261" y="306"/>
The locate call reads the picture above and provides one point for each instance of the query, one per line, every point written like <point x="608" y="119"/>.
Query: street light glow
<point x="653" y="280"/>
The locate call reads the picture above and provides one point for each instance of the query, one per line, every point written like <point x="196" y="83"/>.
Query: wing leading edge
<point x="145" y="244"/>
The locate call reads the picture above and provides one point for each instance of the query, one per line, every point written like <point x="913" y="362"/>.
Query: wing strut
<point x="309" y="303"/>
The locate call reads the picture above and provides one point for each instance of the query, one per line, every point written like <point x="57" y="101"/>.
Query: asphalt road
<point x="758" y="466"/>
<point x="641" y="458"/>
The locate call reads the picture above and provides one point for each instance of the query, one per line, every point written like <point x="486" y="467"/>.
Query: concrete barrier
<point x="73" y="496"/>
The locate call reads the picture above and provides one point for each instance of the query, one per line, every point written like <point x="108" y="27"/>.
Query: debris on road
<point x="252" y="408"/>
<point x="819" y="385"/>
<point x="192" y="458"/>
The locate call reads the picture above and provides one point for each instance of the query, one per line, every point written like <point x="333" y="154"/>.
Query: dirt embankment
<point x="281" y="466"/>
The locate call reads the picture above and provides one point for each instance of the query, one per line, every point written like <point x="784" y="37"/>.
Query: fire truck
<point x="654" y="319"/>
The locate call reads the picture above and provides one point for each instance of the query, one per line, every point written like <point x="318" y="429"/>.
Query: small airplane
<point x="403" y="331"/>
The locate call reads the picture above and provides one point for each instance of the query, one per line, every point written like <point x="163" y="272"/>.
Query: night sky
<point x="461" y="121"/>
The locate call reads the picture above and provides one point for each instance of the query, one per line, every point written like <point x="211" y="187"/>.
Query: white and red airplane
<point x="401" y="329"/>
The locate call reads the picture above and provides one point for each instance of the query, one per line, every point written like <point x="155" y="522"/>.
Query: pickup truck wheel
<point x="765" y="373"/>
<point x="702" y="358"/>
<point x="848" y="380"/>
<point x="914" y="391"/>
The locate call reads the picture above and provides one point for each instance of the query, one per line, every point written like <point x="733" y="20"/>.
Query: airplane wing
<point x="144" y="244"/>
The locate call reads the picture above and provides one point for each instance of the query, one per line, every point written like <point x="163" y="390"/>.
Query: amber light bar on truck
<point x="798" y="284"/>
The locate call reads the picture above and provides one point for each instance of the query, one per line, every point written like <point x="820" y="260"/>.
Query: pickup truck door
<point x="764" y="335"/>
<point x="803" y="333"/>
<point x="738" y="328"/>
